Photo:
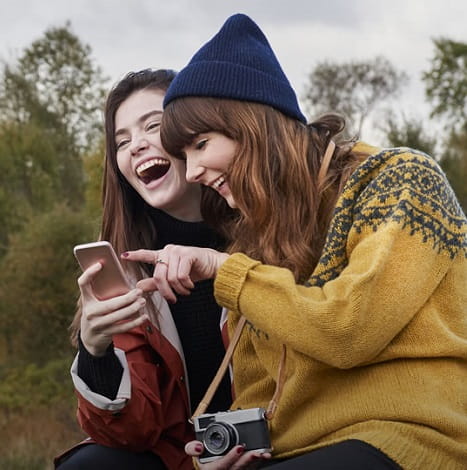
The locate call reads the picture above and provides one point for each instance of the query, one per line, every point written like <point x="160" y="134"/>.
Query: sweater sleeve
<point x="101" y="374"/>
<point x="394" y="263"/>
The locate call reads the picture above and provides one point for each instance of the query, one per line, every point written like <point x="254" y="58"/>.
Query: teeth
<point x="155" y="161"/>
<point x="218" y="182"/>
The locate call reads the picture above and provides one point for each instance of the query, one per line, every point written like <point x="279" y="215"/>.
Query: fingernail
<point x="199" y="448"/>
<point x="125" y="254"/>
<point x="240" y="450"/>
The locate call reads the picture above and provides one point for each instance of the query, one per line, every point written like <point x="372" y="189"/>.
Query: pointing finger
<point x="143" y="256"/>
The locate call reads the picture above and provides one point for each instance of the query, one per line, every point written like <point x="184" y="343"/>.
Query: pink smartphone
<point x="111" y="280"/>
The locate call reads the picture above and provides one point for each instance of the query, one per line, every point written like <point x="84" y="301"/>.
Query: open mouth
<point x="152" y="170"/>
<point x="218" y="183"/>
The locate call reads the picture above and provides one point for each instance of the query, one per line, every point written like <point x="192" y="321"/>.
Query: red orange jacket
<point x="152" y="409"/>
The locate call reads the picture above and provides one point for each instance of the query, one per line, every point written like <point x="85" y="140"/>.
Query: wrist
<point x="221" y="259"/>
<point x="92" y="350"/>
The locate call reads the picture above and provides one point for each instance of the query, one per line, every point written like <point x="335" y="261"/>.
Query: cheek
<point x="179" y="168"/>
<point x="123" y="165"/>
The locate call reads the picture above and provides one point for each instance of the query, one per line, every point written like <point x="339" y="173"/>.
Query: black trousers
<point x="97" y="457"/>
<point x="347" y="455"/>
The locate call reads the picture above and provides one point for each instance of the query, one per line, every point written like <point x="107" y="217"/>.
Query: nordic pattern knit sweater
<point x="377" y="339"/>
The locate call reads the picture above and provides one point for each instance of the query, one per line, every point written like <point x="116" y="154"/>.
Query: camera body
<point x="219" y="432"/>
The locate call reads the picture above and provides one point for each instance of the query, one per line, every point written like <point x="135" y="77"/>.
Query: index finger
<point x="144" y="256"/>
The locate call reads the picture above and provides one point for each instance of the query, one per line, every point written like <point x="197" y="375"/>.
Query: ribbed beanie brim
<point x="237" y="63"/>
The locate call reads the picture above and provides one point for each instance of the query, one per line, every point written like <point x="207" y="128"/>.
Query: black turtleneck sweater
<point x="196" y="317"/>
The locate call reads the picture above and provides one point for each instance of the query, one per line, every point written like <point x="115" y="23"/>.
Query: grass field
<point x="30" y="440"/>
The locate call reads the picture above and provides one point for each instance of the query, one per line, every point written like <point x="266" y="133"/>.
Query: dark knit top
<point x="196" y="318"/>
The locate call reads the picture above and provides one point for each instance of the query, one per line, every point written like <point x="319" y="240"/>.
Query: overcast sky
<point x="133" y="34"/>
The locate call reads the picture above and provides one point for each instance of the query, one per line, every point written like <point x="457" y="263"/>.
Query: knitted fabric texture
<point x="237" y="63"/>
<point x="377" y="340"/>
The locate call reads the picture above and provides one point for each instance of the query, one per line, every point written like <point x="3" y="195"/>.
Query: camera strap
<point x="204" y="403"/>
<point x="325" y="163"/>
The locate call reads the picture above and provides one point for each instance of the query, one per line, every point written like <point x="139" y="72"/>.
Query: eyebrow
<point x="140" y="120"/>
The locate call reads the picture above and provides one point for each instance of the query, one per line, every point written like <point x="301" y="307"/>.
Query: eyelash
<point x="150" y="127"/>
<point x="121" y="144"/>
<point x="199" y="145"/>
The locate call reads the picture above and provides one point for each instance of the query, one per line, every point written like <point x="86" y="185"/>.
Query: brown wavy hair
<point x="126" y="221"/>
<point x="283" y="216"/>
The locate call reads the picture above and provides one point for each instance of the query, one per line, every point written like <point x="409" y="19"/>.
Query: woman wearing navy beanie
<point x="347" y="263"/>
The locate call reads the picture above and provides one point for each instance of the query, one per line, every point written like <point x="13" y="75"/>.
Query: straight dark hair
<point x="126" y="221"/>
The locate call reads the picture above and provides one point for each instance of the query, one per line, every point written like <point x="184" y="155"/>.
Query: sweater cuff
<point x="102" y="374"/>
<point x="230" y="279"/>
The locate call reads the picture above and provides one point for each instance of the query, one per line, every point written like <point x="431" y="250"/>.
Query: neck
<point x="186" y="214"/>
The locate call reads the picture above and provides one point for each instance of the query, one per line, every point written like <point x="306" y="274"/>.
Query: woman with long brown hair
<point x="142" y="365"/>
<point x="347" y="262"/>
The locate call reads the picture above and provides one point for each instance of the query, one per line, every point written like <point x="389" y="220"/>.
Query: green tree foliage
<point x="56" y="75"/>
<point x="446" y="81"/>
<point x="44" y="383"/>
<point x="50" y="115"/>
<point x="446" y="89"/>
<point x="30" y="179"/>
<point x="408" y="133"/>
<point x="454" y="163"/>
<point x="50" y="169"/>
<point x="38" y="289"/>
<point x="353" y="89"/>
<point x="93" y="169"/>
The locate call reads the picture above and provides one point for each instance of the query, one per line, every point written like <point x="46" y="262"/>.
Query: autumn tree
<point x="353" y="89"/>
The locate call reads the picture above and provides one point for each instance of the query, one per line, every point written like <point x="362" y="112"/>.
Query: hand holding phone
<point x="111" y="280"/>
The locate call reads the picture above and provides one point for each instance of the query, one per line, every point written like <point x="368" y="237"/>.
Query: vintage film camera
<point x="219" y="432"/>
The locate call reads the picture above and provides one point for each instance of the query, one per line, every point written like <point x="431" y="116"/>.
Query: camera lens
<point x="219" y="438"/>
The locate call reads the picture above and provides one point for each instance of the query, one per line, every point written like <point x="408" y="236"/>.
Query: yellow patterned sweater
<point x="377" y="339"/>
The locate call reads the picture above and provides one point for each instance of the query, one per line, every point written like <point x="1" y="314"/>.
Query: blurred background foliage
<point x="51" y="156"/>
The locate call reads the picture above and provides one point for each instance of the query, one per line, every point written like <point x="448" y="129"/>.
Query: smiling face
<point x="158" y="178"/>
<point x="208" y="159"/>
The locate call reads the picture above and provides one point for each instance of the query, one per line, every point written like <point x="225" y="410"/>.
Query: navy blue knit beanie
<point x="237" y="63"/>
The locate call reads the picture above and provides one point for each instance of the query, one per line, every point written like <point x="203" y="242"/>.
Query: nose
<point x="138" y="143"/>
<point x="194" y="171"/>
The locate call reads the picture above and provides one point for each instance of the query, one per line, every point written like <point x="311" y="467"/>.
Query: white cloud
<point x="133" y="34"/>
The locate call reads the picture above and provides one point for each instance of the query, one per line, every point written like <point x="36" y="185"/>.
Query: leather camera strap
<point x="204" y="403"/>
<point x="325" y="163"/>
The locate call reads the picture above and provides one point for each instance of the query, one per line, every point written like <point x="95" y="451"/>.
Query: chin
<point x="231" y="202"/>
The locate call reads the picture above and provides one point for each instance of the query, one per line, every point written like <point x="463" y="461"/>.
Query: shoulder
<point x="393" y="159"/>
<point x="392" y="170"/>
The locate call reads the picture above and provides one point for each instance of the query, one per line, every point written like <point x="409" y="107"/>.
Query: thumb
<point x="194" y="448"/>
<point x="147" y="285"/>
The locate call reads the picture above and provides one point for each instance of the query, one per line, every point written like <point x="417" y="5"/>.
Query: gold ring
<point x="161" y="262"/>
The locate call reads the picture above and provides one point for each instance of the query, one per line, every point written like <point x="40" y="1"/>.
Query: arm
<point x="116" y="388"/>
<point x="402" y="241"/>
<point x="349" y="320"/>
<point x="102" y="374"/>
<point x="405" y="231"/>
<point x="149" y="405"/>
